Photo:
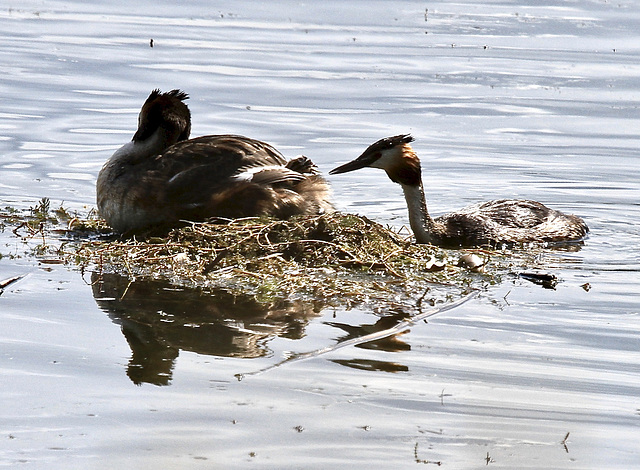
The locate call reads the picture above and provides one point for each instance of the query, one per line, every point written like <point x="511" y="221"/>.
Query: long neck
<point x="421" y="223"/>
<point x="138" y="150"/>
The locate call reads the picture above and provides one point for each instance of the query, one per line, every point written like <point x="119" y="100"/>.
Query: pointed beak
<point x="366" y="159"/>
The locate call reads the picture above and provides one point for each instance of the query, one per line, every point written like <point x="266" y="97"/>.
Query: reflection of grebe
<point x="494" y="222"/>
<point x="161" y="177"/>
<point x="160" y="319"/>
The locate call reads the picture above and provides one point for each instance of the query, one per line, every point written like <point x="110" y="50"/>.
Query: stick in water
<point x="394" y="330"/>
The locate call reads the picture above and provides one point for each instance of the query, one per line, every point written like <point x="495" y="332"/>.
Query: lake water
<point x="505" y="99"/>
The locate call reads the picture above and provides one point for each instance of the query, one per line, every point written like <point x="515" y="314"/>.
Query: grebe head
<point x="392" y="154"/>
<point x="164" y="112"/>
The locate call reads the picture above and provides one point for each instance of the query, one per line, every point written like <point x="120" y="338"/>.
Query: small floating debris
<point x="434" y="265"/>
<point x="546" y="280"/>
<point x="7" y="282"/>
<point x="472" y="262"/>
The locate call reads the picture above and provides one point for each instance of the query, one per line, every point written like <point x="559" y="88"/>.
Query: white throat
<point x="419" y="219"/>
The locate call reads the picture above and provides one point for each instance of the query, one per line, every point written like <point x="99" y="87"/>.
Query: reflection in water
<point x="369" y="364"/>
<point x="381" y="335"/>
<point x="389" y="343"/>
<point x="159" y="319"/>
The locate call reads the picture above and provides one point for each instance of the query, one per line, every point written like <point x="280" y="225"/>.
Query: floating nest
<point x="335" y="258"/>
<point x="339" y="259"/>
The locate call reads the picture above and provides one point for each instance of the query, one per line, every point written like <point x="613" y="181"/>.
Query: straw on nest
<point x="336" y="258"/>
<point x="333" y="256"/>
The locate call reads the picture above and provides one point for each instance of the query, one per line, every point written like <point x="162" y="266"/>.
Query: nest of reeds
<point x="337" y="258"/>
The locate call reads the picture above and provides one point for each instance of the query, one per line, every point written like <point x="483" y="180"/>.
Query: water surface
<point x="505" y="99"/>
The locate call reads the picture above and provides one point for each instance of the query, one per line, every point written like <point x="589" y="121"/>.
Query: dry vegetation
<point x="337" y="258"/>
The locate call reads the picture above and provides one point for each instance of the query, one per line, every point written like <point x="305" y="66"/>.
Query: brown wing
<point x="515" y="213"/>
<point x="196" y="167"/>
<point x="509" y="220"/>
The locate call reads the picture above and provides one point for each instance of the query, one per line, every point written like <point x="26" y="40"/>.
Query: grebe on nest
<point x="506" y="221"/>
<point x="162" y="177"/>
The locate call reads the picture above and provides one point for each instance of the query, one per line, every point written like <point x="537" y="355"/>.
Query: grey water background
<point x="506" y="99"/>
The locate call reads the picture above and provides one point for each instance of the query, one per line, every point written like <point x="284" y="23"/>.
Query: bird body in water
<point x="505" y="221"/>
<point x="162" y="177"/>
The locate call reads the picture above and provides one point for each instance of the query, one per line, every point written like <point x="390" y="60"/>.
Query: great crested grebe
<point x="505" y="221"/>
<point x="162" y="177"/>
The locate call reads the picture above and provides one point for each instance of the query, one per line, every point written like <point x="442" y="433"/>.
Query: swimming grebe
<point x="505" y="221"/>
<point x="161" y="178"/>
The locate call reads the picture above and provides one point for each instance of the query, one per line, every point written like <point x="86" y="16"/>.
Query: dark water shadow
<point x="392" y="343"/>
<point x="159" y="319"/>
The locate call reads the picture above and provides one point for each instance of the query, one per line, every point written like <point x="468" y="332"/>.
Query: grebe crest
<point x="505" y="221"/>
<point x="166" y="111"/>
<point x="162" y="178"/>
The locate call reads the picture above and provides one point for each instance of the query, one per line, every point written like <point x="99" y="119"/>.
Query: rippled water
<point x="504" y="99"/>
